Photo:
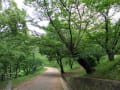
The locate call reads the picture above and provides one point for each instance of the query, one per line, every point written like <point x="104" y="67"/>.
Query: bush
<point x="92" y="61"/>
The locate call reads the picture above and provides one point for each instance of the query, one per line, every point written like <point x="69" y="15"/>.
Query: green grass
<point x="105" y="69"/>
<point x="108" y="69"/>
<point x="75" y="66"/>
<point x="50" y="63"/>
<point x="82" y="73"/>
<point x="3" y="84"/>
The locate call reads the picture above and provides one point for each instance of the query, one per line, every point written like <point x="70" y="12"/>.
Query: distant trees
<point x="53" y="48"/>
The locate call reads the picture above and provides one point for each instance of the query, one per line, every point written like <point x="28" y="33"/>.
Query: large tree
<point x="69" y="20"/>
<point x="105" y="31"/>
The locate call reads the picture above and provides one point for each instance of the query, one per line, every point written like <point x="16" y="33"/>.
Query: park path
<point x="49" y="80"/>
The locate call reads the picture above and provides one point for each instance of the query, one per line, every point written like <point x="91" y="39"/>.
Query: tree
<point x="15" y="44"/>
<point x="12" y="20"/>
<point x="53" y="48"/>
<point x="69" y="23"/>
<point x="106" y="32"/>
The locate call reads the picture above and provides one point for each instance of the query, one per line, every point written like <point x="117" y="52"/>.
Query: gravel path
<point x="50" y="80"/>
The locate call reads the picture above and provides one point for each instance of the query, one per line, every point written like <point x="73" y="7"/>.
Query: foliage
<point x="68" y="21"/>
<point x="105" y="32"/>
<point x="17" y="50"/>
<point x="106" y="69"/>
<point x="79" y="31"/>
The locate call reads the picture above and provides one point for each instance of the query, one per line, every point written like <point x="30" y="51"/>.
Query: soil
<point x="49" y="80"/>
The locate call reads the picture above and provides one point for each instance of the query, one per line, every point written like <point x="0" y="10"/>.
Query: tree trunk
<point x="85" y="65"/>
<point x="98" y="59"/>
<point x="10" y="71"/>
<point x="71" y="63"/>
<point x="16" y="69"/>
<point x="2" y="77"/>
<point x="16" y="72"/>
<point x="59" y="61"/>
<point x="33" y="63"/>
<point x="61" y="68"/>
<point x="111" y="56"/>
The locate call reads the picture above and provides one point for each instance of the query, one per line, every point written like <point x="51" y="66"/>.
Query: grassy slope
<point x="75" y="66"/>
<point x="105" y="69"/>
<point x="108" y="69"/>
<point x="3" y="84"/>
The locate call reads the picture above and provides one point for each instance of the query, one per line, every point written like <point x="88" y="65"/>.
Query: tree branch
<point x="55" y="27"/>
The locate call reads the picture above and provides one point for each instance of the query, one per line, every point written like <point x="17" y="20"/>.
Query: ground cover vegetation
<point x="80" y="32"/>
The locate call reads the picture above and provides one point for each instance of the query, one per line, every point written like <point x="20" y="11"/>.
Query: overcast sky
<point x="30" y="10"/>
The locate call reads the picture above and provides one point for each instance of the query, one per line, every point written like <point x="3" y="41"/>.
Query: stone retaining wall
<point x="94" y="84"/>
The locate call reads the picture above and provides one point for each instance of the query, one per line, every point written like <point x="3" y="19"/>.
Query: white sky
<point x="20" y="3"/>
<point x="31" y="12"/>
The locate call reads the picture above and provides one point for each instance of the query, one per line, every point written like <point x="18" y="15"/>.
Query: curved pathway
<point x="49" y="80"/>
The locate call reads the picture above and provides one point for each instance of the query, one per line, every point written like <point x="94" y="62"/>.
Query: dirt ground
<point x="49" y="80"/>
